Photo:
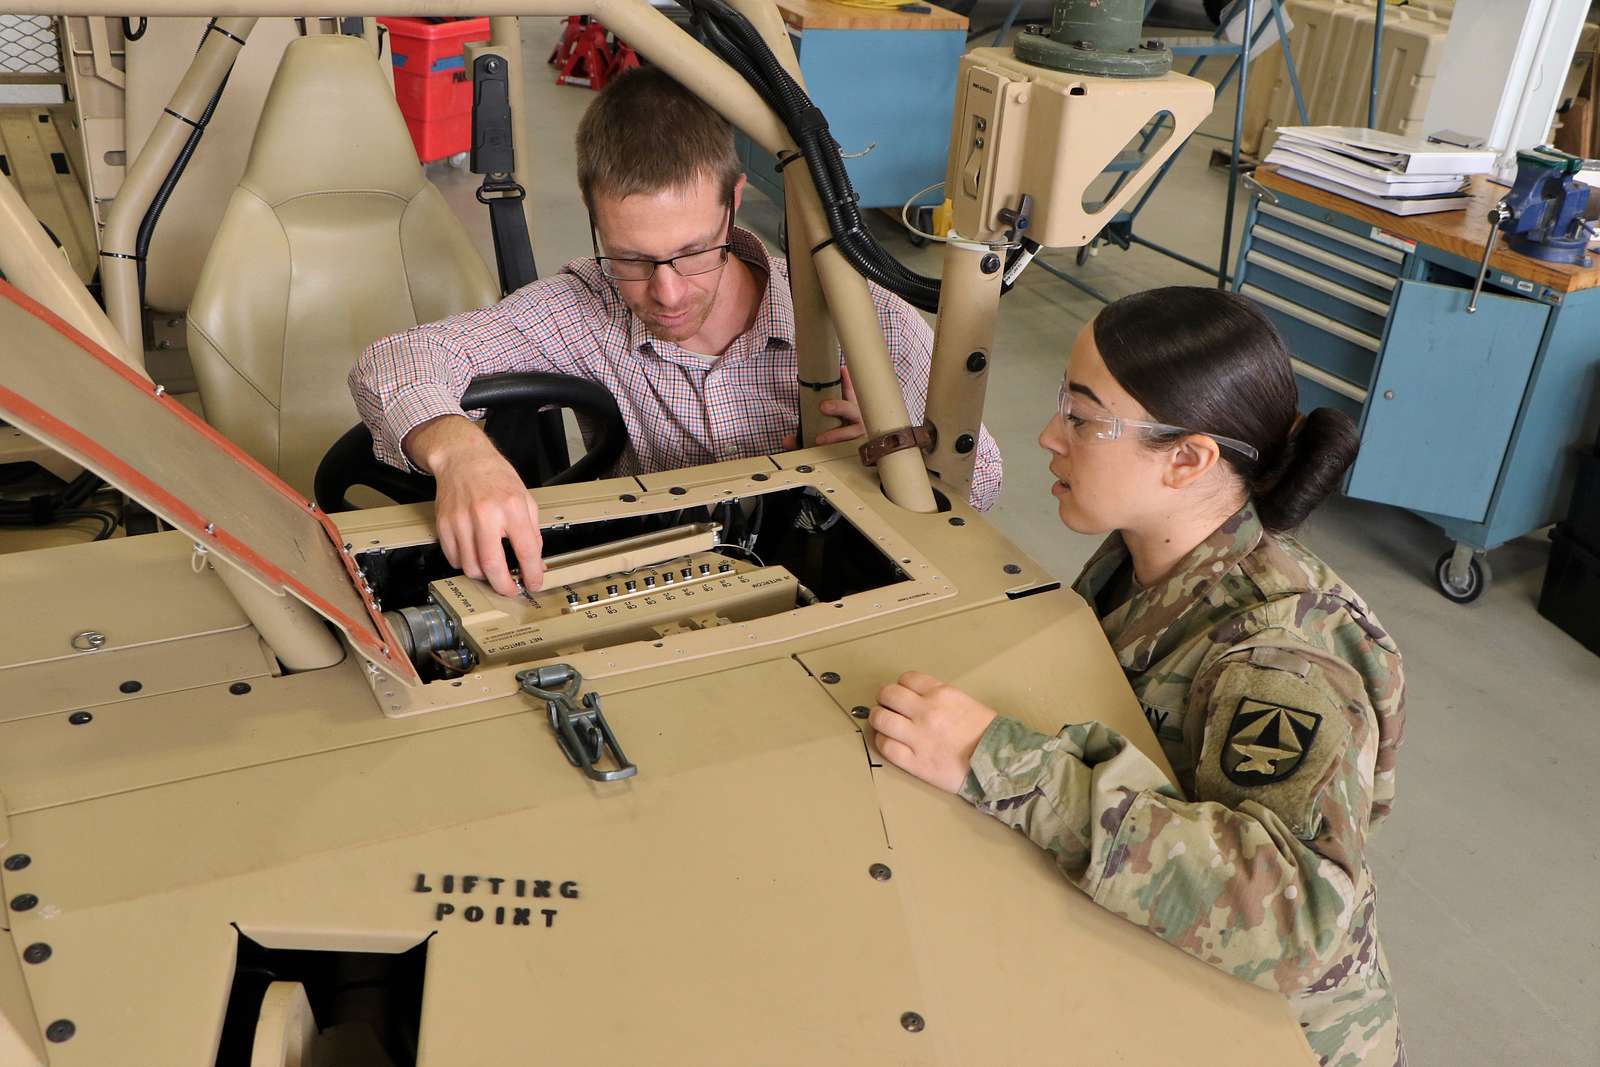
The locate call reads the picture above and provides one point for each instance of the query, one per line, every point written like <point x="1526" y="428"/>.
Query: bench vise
<point x="1544" y="209"/>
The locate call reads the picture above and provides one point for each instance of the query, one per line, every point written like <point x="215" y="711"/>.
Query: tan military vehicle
<point x="282" y="787"/>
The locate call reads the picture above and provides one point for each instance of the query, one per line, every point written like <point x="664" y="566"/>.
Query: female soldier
<point x="1275" y="694"/>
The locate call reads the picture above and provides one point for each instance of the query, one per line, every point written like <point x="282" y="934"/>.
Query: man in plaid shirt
<point x="685" y="319"/>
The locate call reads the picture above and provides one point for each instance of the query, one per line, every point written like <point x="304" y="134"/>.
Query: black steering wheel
<point x="518" y="421"/>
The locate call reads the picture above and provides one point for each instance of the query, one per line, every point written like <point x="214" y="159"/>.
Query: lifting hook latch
<point x="580" y="726"/>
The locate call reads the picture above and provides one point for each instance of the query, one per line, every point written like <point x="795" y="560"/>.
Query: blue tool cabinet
<point x="883" y="79"/>
<point x="1473" y="421"/>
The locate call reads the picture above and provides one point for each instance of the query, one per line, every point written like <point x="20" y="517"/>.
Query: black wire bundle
<point x="107" y="521"/>
<point x="736" y="42"/>
<point x="65" y="506"/>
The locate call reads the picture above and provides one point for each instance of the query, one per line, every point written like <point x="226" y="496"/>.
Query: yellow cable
<point x="873" y="5"/>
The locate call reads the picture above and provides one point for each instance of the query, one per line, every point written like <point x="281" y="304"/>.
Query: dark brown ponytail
<point x="1210" y="361"/>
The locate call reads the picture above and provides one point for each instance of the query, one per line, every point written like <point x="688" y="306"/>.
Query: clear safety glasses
<point x="687" y="265"/>
<point x="1109" y="427"/>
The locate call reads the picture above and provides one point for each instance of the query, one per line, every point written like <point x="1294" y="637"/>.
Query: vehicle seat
<point x="333" y="239"/>
<point x="156" y="62"/>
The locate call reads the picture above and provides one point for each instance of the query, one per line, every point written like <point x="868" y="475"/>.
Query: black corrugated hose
<point x="734" y="40"/>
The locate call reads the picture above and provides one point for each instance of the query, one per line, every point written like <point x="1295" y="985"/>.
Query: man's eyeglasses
<point x="642" y="270"/>
<point x="1110" y="427"/>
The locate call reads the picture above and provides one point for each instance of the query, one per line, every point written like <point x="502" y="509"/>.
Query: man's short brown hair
<point x="645" y="133"/>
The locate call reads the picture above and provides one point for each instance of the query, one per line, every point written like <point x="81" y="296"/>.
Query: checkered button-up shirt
<point x="681" y="409"/>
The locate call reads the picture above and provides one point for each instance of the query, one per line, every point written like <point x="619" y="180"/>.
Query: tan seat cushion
<point x="333" y="239"/>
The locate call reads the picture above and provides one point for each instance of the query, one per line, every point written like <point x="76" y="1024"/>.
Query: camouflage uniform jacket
<point x="1278" y="699"/>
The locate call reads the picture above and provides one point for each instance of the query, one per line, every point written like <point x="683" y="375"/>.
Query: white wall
<point x="1504" y="65"/>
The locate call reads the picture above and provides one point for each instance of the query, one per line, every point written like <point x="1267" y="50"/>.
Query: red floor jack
<point x="589" y="54"/>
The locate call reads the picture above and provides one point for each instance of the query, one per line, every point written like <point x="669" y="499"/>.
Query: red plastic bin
<point x="431" y="82"/>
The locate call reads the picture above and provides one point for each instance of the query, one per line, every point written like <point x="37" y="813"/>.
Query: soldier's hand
<point x="481" y="501"/>
<point x="929" y="729"/>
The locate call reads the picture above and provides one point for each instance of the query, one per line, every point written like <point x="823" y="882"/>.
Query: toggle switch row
<point x="649" y="582"/>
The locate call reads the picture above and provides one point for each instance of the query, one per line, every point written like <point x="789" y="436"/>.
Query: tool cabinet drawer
<point x="1276" y="250"/>
<point x="1315" y="291"/>
<point x="1338" y="357"/>
<point x="1328" y="289"/>
<point x="1334" y="234"/>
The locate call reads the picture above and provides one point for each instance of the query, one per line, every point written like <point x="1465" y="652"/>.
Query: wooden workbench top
<point x="1461" y="232"/>
<point x="826" y="15"/>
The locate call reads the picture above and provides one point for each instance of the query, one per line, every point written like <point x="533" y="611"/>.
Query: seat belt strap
<point x="494" y="156"/>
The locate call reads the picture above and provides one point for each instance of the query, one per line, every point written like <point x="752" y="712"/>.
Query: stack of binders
<point x="1401" y="175"/>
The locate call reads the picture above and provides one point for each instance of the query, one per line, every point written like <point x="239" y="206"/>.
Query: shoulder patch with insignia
<point x="1266" y="742"/>
<point x="1274" y="738"/>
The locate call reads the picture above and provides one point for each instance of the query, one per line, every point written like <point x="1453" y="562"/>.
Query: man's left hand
<point x="844" y="408"/>
<point x="929" y="729"/>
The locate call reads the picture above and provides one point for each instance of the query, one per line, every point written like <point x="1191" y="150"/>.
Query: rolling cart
<point x="1473" y="420"/>
<point x="432" y="85"/>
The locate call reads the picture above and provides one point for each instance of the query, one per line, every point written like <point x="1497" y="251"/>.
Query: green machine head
<point x="1096" y="37"/>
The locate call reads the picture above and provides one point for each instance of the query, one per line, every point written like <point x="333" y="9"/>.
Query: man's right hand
<point x="480" y="500"/>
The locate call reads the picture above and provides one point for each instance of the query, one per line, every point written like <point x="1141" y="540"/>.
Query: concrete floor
<point x="1490" y="864"/>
